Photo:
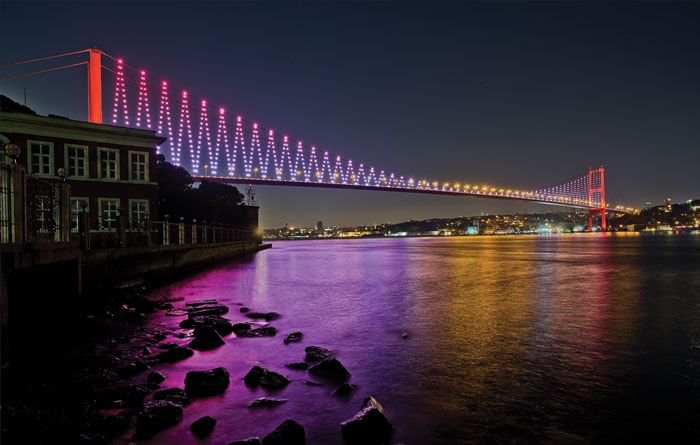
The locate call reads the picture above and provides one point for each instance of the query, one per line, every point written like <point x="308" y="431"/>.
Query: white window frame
<point x="76" y="208"/>
<point x="71" y="161"/>
<point x="45" y="160"/>
<point x="105" y="172"/>
<point x="138" y="216"/>
<point x="137" y="168"/>
<point x="107" y="217"/>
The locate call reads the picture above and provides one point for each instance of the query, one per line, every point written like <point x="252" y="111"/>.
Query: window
<point x="109" y="211"/>
<point x="138" y="166"/>
<point x="138" y="214"/>
<point x="77" y="206"/>
<point x="77" y="161"/>
<point x="109" y="163"/>
<point x="41" y="155"/>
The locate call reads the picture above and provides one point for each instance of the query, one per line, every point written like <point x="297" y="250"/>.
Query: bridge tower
<point x="95" y="86"/>
<point x="596" y="193"/>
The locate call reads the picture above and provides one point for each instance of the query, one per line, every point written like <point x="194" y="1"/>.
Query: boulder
<point x="343" y="390"/>
<point x="203" y="426"/>
<point x="130" y="370"/>
<point x="155" y="417"/>
<point x="240" y="329"/>
<point x="155" y="377"/>
<point x="316" y="354"/>
<point x="215" y="309"/>
<point x="206" y="339"/>
<point x="292" y="336"/>
<point x="330" y="369"/>
<point x="369" y="426"/>
<point x="265" y="401"/>
<point x="265" y="331"/>
<point x="220" y="324"/>
<point x="206" y="383"/>
<point x="288" y="432"/>
<point x="298" y="365"/>
<point x="267" y="316"/>
<point x="259" y="376"/>
<point x="176" y="395"/>
<point x="174" y="355"/>
<point x="120" y="396"/>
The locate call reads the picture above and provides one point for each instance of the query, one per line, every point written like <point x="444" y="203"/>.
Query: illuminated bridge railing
<point x="211" y="143"/>
<point x="225" y="148"/>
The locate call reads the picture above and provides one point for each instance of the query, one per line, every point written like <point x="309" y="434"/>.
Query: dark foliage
<point x="215" y="203"/>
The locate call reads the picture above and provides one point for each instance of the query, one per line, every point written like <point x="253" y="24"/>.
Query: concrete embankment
<point x="117" y="268"/>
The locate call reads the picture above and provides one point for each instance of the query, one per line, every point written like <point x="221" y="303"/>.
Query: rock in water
<point x="203" y="426"/>
<point x="155" y="417"/>
<point x="288" y="432"/>
<point x="292" y="336"/>
<point x="206" y="383"/>
<point x="207" y="339"/>
<point x="330" y="368"/>
<point x="316" y="354"/>
<point x="265" y="378"/>
<point x="369" y="426"/>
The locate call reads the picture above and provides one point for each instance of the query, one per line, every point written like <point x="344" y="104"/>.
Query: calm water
<point x="590" y="338"/>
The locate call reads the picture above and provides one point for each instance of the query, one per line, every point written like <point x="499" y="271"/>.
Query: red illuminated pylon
<point x="596" y="189"/>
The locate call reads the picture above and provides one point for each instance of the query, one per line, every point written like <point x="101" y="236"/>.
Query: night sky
<point x="520" y="95"/>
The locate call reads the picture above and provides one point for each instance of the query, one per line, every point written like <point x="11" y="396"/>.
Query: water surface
<point x="588" y="338"/>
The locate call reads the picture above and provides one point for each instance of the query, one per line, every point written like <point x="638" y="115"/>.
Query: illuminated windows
<point x="108" y="213"/>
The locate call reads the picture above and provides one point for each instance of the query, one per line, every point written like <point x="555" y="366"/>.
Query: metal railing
<point x="153" y="233"/>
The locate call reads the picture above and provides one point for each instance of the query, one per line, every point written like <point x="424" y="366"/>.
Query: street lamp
<point x="13" y="151"/>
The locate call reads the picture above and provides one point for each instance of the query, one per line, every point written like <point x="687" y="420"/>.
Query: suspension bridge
<point x="219" y="147"/>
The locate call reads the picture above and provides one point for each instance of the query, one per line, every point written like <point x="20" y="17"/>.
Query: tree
<point x="213" y="202"/>
<point x="174" y="183"/>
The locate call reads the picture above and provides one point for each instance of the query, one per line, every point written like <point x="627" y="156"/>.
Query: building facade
<point x="110" y="170"/>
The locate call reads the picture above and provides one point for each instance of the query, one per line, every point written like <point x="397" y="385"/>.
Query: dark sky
<point x="520" y="95"/>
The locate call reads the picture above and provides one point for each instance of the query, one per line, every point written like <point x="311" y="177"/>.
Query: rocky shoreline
<point x="72" y="388"/>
